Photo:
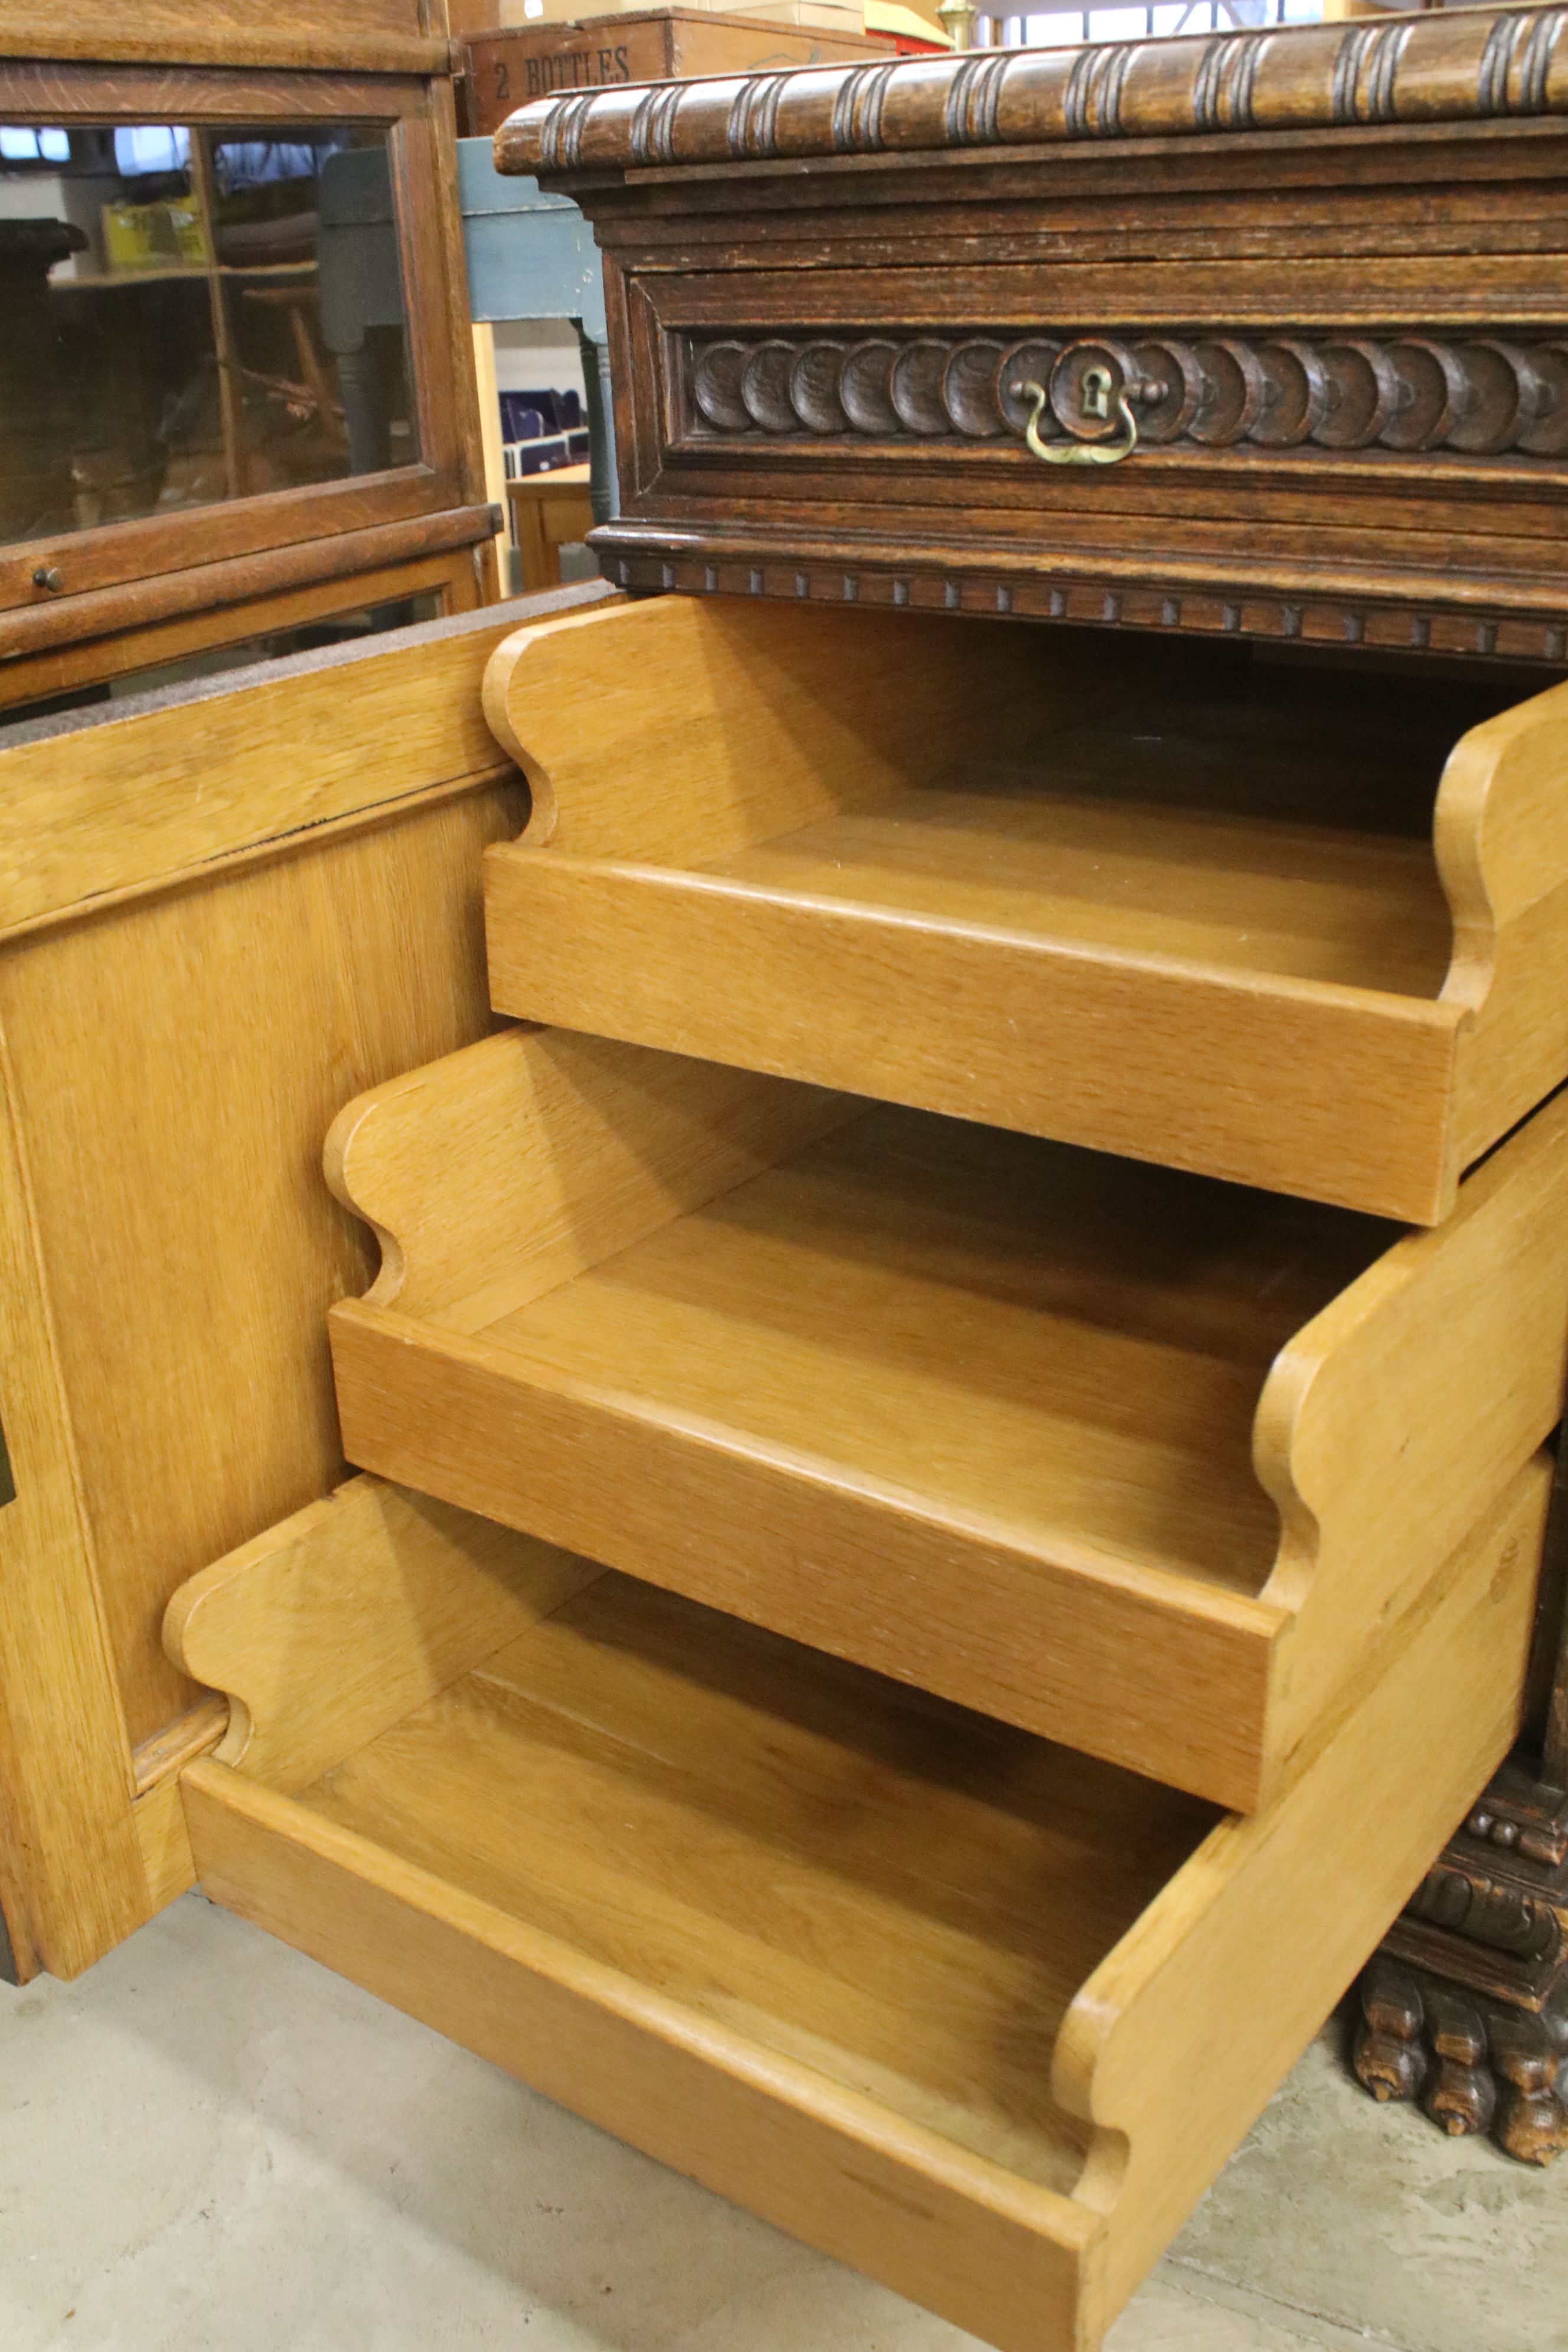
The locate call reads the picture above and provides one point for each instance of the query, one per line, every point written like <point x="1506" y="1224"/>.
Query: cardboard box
<point x="506" y="70"/>
<point x="914" y="32"/>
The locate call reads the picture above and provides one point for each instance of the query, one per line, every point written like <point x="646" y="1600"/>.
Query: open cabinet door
<point x="212" y="904"/>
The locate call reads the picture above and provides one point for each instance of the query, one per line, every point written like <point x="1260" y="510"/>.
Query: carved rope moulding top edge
<point x="1482" y="65"/>
<point x="1483" y="394"/>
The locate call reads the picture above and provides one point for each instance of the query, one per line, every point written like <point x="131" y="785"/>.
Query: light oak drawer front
<point x="1132" y="1459"/>
<point x="1165" y="903"/>
<point x="1256" y="334"/>
<point x="969" y="2012"/>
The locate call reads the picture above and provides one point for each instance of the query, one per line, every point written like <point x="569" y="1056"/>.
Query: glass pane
<point x="193" y="314"/>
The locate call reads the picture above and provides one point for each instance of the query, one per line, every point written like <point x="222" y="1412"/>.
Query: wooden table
<point x="549" y="511"/>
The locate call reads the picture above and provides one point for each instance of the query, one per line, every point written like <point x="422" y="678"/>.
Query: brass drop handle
<point x="1097" y="390"/>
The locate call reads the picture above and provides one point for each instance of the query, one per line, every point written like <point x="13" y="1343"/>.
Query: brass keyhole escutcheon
<point x="1098" y="386"/>
<point x="1096" y="393"/>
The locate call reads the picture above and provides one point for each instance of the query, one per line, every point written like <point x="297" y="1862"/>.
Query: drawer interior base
<point x="1111" y="1451"/>
<point x="964" y="2008"/>
<point x="899" y="1895"/>
<point x="998" y="1331"/>
<point x="1080" y="847"/>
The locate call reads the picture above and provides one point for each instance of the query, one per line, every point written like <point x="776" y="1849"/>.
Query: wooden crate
<point x="505" y="70"/>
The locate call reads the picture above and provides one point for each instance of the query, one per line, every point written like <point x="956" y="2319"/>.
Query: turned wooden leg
<point x="1390" y="2055"/>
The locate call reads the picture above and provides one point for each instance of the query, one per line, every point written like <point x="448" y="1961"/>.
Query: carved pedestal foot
<point x="1533" y="2118"/>
<point x="1465" y="2005"/>
<point x="1474" y="2062"/>
<point x="1390" y="2054"/>
<point x="1461" y="2095"/>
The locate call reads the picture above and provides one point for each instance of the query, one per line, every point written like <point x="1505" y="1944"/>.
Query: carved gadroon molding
<point x="1472" y="64"/>
<point x="649" y="557"/>
<point x="1499" y="1916"/>
<point x="1482" y="395"/>
<point x="1525" y="1818"/>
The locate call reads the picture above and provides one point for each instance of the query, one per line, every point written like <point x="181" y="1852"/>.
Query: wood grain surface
<point x="1272" y="1916"/>
<point x="1502" y="840"/>
<point x="811" y="1936"/>
<point x="914" y="1342"/>
<point x="237" y="557"/>
<point x="70" y="1875"/>
<point x="631" y="1143"/>
<point x="330" y="1628"/>
<point x="1485" y="64"/>
<point x="200" y="1133"/>
<point x="448" y="580"/>
<point x="1385" y="1422"/>
<point x="238" y="762"/>
<point x="833" y="2166"/>
<point x="216" y="899"/>
<point x="675" y="727"/>
<point x="1247" y="223"/>
<point x="367" y="35"/>
<point x="1204" y="924"/>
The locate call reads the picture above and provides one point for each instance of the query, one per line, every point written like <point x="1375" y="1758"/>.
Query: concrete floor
<point x="210" y="2142"/>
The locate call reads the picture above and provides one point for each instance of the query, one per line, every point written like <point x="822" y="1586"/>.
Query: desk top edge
<point x="1474" y="65"/>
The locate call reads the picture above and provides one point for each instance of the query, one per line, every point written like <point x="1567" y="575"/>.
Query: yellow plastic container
<point x="162" y="236"/>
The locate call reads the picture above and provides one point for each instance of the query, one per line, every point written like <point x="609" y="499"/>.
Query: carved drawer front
<point x="1097" y="398"/>
<point x="1131" y="1459"/>
<point x="1263" y="334"/>
<point x="1169" y="902"/>
<point x="974" y="2013"/>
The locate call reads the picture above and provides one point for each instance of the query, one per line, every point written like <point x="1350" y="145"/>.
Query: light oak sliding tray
<point x="1131" y="897"/>
<point x="1134" y="1459"/>
<point x="974" y="2013"/>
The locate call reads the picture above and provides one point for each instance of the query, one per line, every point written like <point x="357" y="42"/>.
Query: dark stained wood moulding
<point x="1215" y="391"/>
<point x="1479" y="65"/>
<point x="862" y="314"/>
